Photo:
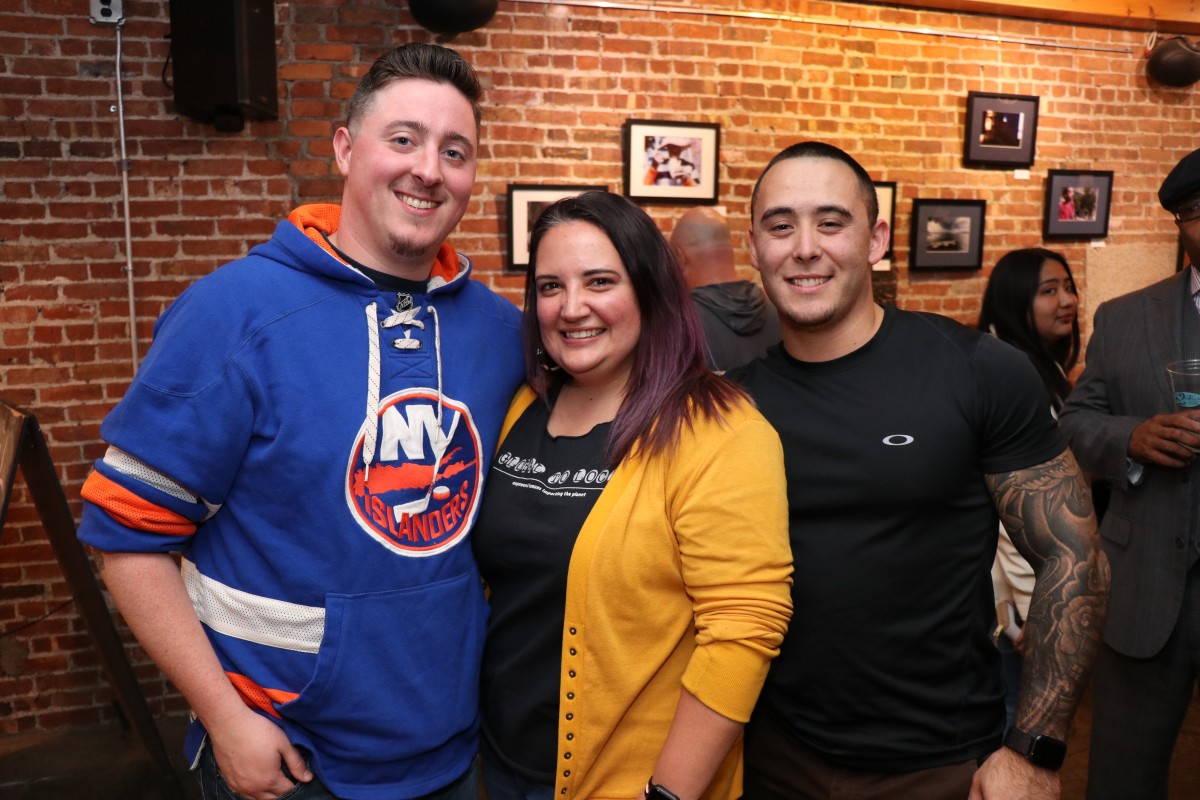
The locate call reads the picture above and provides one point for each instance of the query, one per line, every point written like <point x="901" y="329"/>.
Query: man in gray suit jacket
<point x="1123" y="426"/>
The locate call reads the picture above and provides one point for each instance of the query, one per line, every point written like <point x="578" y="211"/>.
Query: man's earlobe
<point x="879" y="239"/>
<point x="342" y="145"/>
<point x="753" y="250"/>
<point x="680" y="257"/>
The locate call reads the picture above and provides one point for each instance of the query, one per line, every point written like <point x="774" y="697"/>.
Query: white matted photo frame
<point x="1077" y="204"/>
<point x="1001" y="130"/>
<point x="885" y="191"/>
<point x="526" y="201"/>
<point x="671" y="162"/>
<point x="947" y="234"/>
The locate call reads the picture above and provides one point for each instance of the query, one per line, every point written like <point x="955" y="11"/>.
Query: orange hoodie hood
<point x="316" y="219"/>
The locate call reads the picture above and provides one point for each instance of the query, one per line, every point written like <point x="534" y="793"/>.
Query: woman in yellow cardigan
<point x="633" y="533"/>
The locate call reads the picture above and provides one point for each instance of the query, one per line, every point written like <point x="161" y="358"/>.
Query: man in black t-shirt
<point x="905" y="437"/>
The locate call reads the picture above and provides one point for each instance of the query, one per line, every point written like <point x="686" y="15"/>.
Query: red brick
<point x="305" y="71"/>
<point x="324" y="52"/>
<point x="558" y="88"/>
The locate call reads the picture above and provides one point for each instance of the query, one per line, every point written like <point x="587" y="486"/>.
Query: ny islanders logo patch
<point x="422" y="490"/>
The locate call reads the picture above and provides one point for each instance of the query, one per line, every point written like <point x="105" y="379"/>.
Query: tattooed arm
<point x="1047" y="510"/>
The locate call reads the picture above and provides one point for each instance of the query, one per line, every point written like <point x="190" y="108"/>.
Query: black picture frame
<point x="1001" y="130"/>
<point x="947" y="234"/>
<point x="1090" y="204"/>
<point x="885" y="191"/>
<point x="674" y="163"/>
<point x="525" y="202"/>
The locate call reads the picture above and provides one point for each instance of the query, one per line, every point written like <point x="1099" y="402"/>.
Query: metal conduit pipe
<point x="124" y="167"/>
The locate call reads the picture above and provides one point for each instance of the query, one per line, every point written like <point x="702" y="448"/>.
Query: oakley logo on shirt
<point x="898" y="440"/>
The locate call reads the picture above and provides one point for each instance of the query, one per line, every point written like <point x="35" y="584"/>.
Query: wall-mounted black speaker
<point x="223" y="61"/>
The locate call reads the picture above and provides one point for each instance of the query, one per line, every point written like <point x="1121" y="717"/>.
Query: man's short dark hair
<point x="428" y="62"/>
<point x="823" y="150"/>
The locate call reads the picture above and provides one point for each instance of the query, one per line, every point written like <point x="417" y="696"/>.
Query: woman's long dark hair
<point x="1008" y="314"/>
<point x="670" y="380"/>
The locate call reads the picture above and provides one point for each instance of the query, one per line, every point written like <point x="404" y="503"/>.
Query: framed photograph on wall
<point x="526" y="202"/>
<point x="886" y="192"/>
<point x="1001" y="130"/>
<point x="671" y="162"/>
<point x="946" y="234"/>
<point x="1077" y="204"/>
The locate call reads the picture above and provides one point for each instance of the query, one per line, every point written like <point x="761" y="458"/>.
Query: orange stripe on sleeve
<point x="256" y="696"/>
<point x="132" y="511"/>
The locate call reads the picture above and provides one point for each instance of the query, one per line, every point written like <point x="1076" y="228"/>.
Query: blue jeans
<point x="213" y="786"/>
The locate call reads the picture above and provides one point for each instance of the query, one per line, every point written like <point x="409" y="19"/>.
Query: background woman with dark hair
<point x="633" y="534"/>
<point x="1031" y="303"/>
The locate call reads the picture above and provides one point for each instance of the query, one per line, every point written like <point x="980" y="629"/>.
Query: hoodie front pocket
<point x="397" y="672"/>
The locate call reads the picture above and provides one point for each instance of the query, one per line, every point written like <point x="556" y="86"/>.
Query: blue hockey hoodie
<point x="316" y="449"/>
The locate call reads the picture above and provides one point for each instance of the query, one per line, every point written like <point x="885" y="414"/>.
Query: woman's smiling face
<point x="587" y="310"/>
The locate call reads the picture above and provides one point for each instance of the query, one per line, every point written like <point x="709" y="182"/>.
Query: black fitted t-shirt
<point x="887" y="664"/>
<point x="539" y="492"/>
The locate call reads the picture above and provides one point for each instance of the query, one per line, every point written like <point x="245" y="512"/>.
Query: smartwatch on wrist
<point x="656" y="792"/>
<point x="1041" y="751"/>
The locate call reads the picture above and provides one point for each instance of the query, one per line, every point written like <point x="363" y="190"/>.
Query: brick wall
<point x="561" y="80"/>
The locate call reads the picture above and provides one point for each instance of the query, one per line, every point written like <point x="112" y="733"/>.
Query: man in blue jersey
<point x="904" y="434"/>
<point x="309" y="431"/>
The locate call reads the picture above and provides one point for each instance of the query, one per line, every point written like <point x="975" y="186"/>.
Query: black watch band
<point x="1042" y="751"/>
<point x="656" y="792"/>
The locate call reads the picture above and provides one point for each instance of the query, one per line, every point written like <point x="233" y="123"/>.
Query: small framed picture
<point x="886" y="192"/>
<point x="1077" y="204"/>
<point x="671" y="162"/>
<point x="946" y="234"/>
<point x="525" y="203"/>
<point x="1001" y="130"/>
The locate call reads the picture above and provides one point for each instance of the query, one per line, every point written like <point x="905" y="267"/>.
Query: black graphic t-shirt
<point x="540" y="490"/>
